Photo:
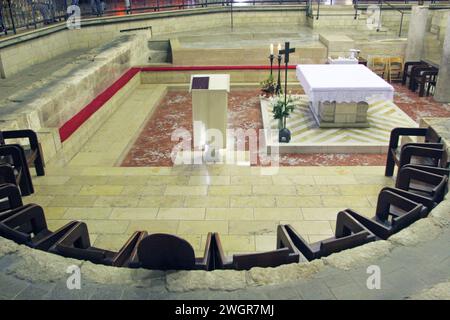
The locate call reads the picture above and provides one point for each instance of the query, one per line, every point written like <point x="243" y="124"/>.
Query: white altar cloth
<point x="342" y="83"/>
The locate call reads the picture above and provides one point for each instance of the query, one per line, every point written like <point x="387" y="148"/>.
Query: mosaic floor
<point x="154" y="147"/>
<point x="307" y="137"/>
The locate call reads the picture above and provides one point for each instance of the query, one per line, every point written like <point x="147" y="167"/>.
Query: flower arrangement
<point x="268" y="87"/>
<point x="281" y="110"/>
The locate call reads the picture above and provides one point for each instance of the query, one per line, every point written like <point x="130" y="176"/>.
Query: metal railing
<point x="27" y="14"/>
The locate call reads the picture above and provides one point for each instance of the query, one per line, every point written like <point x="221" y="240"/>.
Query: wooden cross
<point x="286" y="52"/>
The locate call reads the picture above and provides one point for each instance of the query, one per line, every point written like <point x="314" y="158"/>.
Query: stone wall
<point x="19" y="52"/>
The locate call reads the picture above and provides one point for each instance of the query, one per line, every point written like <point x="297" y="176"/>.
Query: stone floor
<point x="242" y="203"/>
<point x="238" y="202"/>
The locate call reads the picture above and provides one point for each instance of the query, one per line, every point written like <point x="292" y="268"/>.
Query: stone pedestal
<point x="209" y="111"/>
<point x="416" y="33"/>
<point x="442" y="93"/>
<point x="330" y="114"/>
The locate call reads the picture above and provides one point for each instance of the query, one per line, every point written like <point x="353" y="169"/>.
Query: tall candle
<point x="279" y="48"/>
<point x="271" y="48"/>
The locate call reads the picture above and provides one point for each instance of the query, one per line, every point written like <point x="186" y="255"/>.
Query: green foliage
<point x="268" y="86"/>
<point x="282" y="110"/>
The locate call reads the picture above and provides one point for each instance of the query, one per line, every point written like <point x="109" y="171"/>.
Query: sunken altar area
<point x="89" y="177"/>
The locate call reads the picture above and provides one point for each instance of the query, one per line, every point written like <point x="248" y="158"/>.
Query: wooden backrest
<point x="333" y="245"/>
<point x="408" y="218"/>
<point x="432" y="136"/>
<point x="396" y="62"/>
<point x="261" y="259"/>
<point x="23" y="225"/>
<point x="76" y="244"/>
<point x="161" y="251"/>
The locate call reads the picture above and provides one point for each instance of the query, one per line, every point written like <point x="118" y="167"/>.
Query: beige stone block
<point x="345" y="201"/>
<point x="72" y="201"/>
<point x="207" y="202"/>
<point x="229" y="190"/>
<point x="57" y="190"/>
<point x="311" y="227"/>
<point x="253" y="227"/>
<point x="133" y="213"/>
<point x="229" y="214"/>
<point x="161" y="201"/>
<point x="278" y="214"/>
<point x="332" y="180"/>
<point x="87" y="213"/>
<point x="110" y="242"/>
<point x="299" y="201"/>
<point x="186" y="190"/>
<point x="209" y="180"/>
<point x="107" y="226"/>
<point x="253" y="201"/>
<point x="101" y="190"/>
<point x="312" y="190"/>
<point x="251" y="180"/>
<point x="153" y="226"/>
<point x="181" y="214"/>
<point x="54" y="212"/>
<point x="202" y="227"/>
<point x="116" y="201"/>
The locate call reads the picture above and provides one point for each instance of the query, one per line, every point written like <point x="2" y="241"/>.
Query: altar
<point x="339" y="93"/>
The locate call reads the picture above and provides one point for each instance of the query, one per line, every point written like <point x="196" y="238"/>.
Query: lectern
<point x="209" y="111"/>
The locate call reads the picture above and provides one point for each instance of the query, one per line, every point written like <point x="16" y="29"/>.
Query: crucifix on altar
<point x="287" y="50"/>
<point x="284" y="134"/>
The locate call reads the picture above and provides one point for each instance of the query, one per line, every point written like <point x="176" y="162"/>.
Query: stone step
<point x="158" y="56"/>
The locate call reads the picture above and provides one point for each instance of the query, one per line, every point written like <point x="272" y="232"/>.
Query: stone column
<point x="416" y="33"/>
<point x="442" y="93"/>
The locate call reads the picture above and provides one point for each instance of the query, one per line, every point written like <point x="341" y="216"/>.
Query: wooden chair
<point x="32" y="151"/>
<point x="427" y="184"/>
<point x="395" y="69"/>
<point x="349" y="234"/>
<point x="10" y="199"/>
<point x="379" y="66"/>
<point x="285" y="253"/>
<point x="431" y="152"/>
<point x="422" y="79"/>
<point x="14" y="168"/>
<point x="408" y="69"/>
<point x="28" y="226"/>
<point x="393" y="213"/>
<point x="76" y="244"/>
<point x="168" y="252"/>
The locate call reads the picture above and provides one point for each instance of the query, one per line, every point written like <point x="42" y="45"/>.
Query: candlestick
<point x="271" y="64"/>
<point x="278" y="89"/>
<point x="271" y="49"/>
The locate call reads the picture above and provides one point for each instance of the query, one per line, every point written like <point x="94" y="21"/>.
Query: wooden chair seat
<point x="286" y="252"/>
<point x="431" y="152"/>
<point x="14" y="157"/>
<point x="32" y="152"/>
<point x="76" y="244"/>
<point x="10" y="199"/>
<point x="393" y="213"/>
<point x="349" y="234"/>
<point x="408" y="69"/>
<point x="28" y="226"/>
<point x="430" y="185"/>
